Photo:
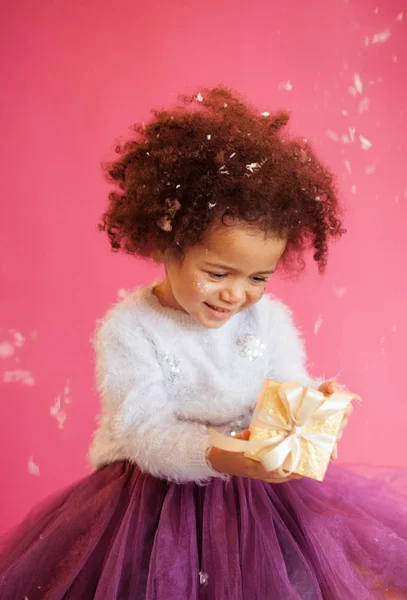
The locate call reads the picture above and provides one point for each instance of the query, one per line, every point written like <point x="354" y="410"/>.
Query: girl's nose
<point x="234" y="294"/>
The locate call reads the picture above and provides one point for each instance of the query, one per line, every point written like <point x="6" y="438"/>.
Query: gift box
<point x="296" y="428"/>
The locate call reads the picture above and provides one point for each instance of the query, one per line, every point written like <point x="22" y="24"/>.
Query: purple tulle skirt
<point x="121" y="534"/>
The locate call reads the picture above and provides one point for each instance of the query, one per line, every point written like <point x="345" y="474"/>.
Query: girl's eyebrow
<point x="226" y="268"/>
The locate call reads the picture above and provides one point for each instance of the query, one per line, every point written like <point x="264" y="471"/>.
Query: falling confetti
<point x="6" y="350"/>
<point x="19" y="339"/>
<point x="252" y="167"/>
<point x="57" y="410"/>
<point x="345" y="113"/>
<point x="232" y="155"/>
<point x="33" y="468"/>
<point x="211" y="205"/>
<point x="393" y="328"/>
<point x="370" y="169"/>
<point x="352" y="131"/>
<point x="265" y="114"/>
<point x="332" y="135"/>
<point x="286" y="85"/>
<point x="364" y="105"/>
<point x="339" y="291"/>
<point x="381" y="37"/>
<point x="366" y="144"/>
<point x="24" y="377"/>
<point x="208" y="137"/>
<point x="318" y="324"/>
<point x="348" y="166"/>
<point x="399" y="17"/>
<point x="358" y="83"/>
<point x="122" y="293"/>
<point x="353" y="189"/>
<point x="199" y="97"/>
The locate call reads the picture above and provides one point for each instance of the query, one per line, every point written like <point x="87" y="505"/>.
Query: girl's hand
<point x="328" y="388"/>
<point x="234" y="463"/>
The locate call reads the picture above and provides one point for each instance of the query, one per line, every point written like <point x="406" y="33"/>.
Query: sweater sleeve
<point x="138" y="419"/>
<point x="288" y="359"/>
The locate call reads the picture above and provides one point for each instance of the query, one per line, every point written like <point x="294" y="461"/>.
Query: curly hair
<point x="210" y="159"/>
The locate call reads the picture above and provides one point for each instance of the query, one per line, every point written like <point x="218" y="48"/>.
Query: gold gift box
<point x="313" y="461"/>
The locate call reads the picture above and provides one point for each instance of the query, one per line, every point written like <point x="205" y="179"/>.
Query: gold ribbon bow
<point x="305" y="408"/>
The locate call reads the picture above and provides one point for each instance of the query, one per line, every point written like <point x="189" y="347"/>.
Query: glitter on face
<point x="202" y="287"/>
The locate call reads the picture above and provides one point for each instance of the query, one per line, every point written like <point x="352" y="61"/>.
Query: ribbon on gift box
<point x="305" y="407"/>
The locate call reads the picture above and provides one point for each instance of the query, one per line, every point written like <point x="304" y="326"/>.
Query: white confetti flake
<point x="353" y="189"/>
<point x="352" y="131"/>
<point x="265" y="114"/>
<point x="364" y="105"/>
<point x="208" y="137"/>
<point x="19" y="339"/>
<point x="122" y="293"/>
<point x="399" y="17"/>
<point x="379" y="38"/>
<point x="24" y="377"/>
<point x="57" y="410"/>
<point x="382" y="339"/>
<point x="394" y="328"/>
<point x="199" y="97"/>
<point x="366" y="144"/>
<point x="318" y="324"/>
<point x="345" y="113"/>
<point x="366" y="40"/>
<point x="345" y="139"/>
<point x="339" y="291"/>
<point x="225" y="105"/>
<point x="232" y="155"/>
<point x="285" y="85"/>
<point x="33" y="468"/>
<point x="358" y="83"/>
<point x="348" y="166"/>
<point x="252" y="167"/>
<point x="211" y="205"/>
<point x="352" y="91"/>
<point x="6" y="350"/>
<point x="177" y="187"/>
<point x="370" y="169"/>
<point x="394" y="59"/>
<point x="332" y="135"/>
<point x="376" y="10"/>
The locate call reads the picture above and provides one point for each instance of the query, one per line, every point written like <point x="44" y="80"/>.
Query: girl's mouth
<point x="218" y="312"/>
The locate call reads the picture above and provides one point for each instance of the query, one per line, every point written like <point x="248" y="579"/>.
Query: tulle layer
<point x="121" y="534"/>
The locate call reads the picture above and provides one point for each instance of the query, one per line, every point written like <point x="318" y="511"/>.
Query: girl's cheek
<point x="256" y="295"/>
<point x="201" y="287"/>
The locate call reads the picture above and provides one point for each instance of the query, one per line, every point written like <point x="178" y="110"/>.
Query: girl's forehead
<point x="240" y="247"/>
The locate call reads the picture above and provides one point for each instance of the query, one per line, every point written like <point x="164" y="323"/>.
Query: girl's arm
<point x="138" y="419"/>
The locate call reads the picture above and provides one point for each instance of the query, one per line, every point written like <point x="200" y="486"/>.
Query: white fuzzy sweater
<point x="164" y="379"/>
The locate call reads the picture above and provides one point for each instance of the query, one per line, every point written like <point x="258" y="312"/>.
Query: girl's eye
<point x="217" y="275"/>
<point x="260" y="279"/>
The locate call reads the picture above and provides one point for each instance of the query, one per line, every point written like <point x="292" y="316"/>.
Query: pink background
<point x="77" y="74"/>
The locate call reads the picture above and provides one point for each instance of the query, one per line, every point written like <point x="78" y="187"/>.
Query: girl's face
<point x="221" y="276"/>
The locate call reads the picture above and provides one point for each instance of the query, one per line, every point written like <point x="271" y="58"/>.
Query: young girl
<point x="222" y="198"/>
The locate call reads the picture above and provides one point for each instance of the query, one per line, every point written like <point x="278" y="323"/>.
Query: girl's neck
<point x="165" y="296"/>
